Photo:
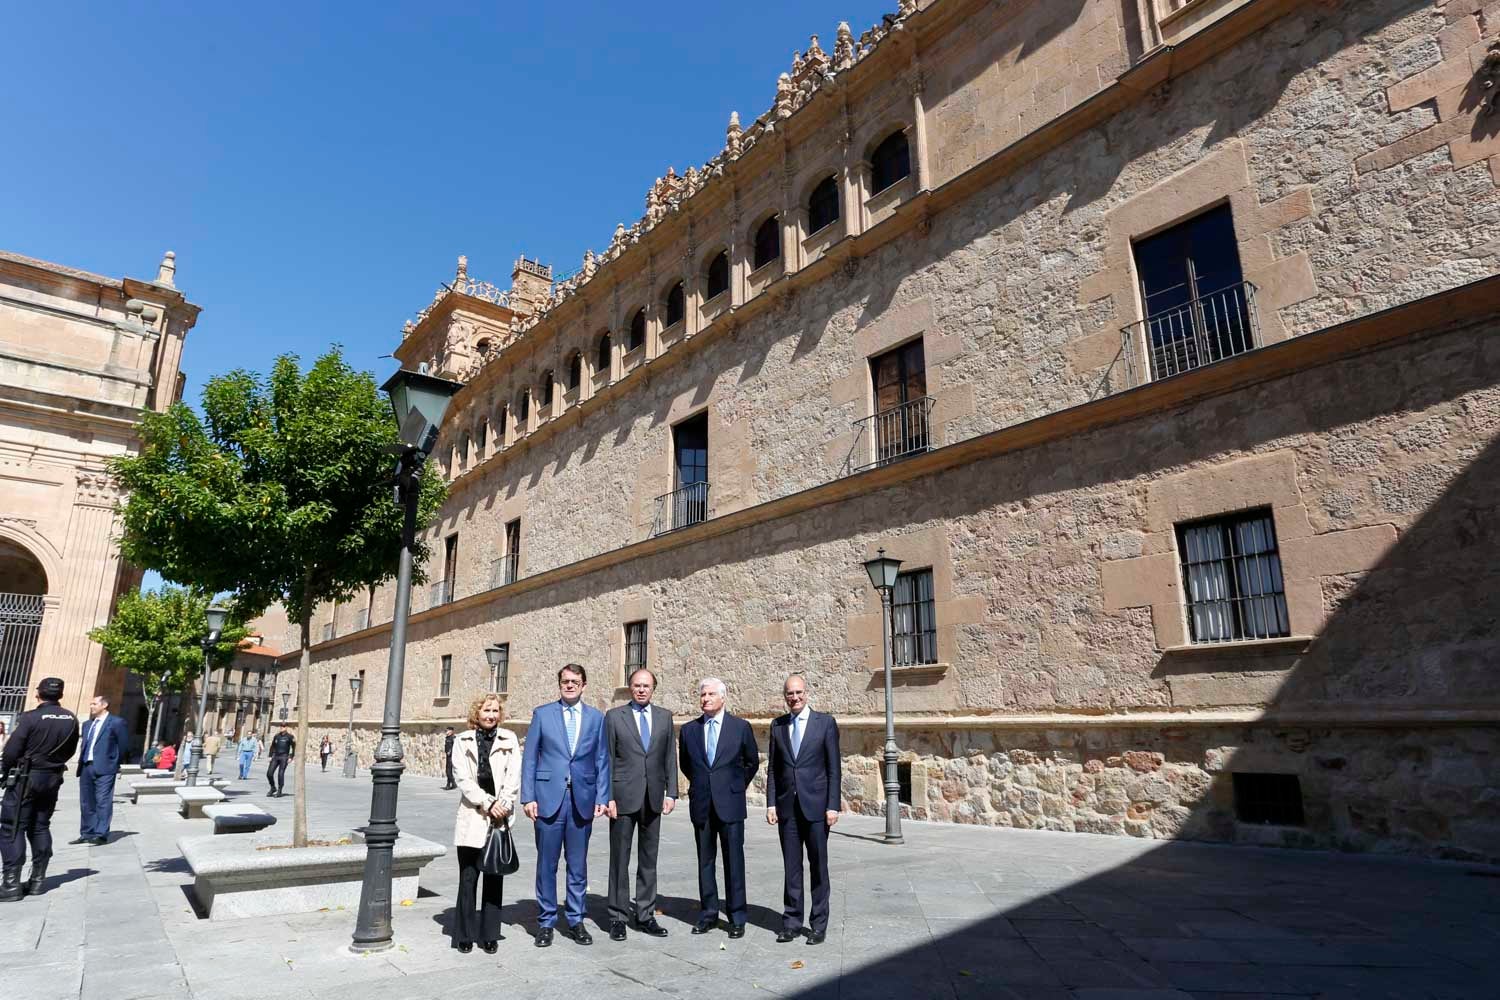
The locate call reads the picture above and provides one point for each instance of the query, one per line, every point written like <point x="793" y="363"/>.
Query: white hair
<point x="713" y="682"/>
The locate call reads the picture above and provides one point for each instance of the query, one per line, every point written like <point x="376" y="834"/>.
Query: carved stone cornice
<point x="94" y="488"/>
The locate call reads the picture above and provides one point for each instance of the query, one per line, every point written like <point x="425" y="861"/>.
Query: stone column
<point x="919" y="128"/>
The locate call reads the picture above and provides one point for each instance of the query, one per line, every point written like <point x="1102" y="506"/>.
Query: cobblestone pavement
<point x="957" y="912"/>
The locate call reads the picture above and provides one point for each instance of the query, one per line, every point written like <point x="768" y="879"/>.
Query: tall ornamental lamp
<point x="493" y="654"/>
<point x="883" y="577"/>
<point x="419" y="401"/>
<point x="216" y="619"/>
<point x="349" y="761"/>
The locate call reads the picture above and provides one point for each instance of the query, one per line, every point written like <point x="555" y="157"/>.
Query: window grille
<point x="445" y="677"/>
<point x="635" y="647"/>
<point x="913" y="620"/>
<point x="1231" y="574"/>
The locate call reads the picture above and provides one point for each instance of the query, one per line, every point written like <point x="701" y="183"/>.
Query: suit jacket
<point x="723" y="784"/>
<point x="109" y="749"/>
<point x="812" y="777"/>
<point x="548" y="771"/>
<point x="640" y="778"/>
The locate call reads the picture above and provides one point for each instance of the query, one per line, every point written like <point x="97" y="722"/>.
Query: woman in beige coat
<point x="487" y="767"/>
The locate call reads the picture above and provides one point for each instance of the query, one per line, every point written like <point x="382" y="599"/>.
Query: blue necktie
<point x="645" y="715"/>
<point x="796" y="736"/>
<point x="572" y="728"/>
<point x="713" y="739"/>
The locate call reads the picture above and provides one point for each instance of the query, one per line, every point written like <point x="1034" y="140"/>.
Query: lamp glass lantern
<point x="883" y="571"/>
<point x="286" y="696"/>
<point x="354" y="685"/>
<point x="419" y="401"/>
<point x="217" y="616"/>
<point x="493" y="655"/>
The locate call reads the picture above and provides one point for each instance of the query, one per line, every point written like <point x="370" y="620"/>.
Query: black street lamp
<point x="349" y="762"/>
<point x="419" y="401"/>
<point x="883" y="578"/>
<point x="493" y="654"/>
<point x="286" y="696"/>
<point x="216" y="618"/>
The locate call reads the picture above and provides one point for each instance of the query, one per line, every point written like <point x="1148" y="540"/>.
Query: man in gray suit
<point x="643" y="754"/>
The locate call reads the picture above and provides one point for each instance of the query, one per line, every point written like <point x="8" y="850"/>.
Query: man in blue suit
<point x="565" y="783"/>
<point x="803" y="782"/>
<point x="718" y="754"/>
<point x="102" y="749"/>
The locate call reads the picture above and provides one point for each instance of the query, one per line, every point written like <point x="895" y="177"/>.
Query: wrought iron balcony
<point x="891" y="435"/>
<point x="505" y="570"/>
<point x="1197" y="333"/>
<point x="681" y="508"/>
<point x="442" y="593"/>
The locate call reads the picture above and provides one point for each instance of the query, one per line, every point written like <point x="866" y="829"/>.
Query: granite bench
<point x="260" y="875"/>
<point x="191" y="800"/>
<point x="161" y="791"/>
<point x="240" y="817"/>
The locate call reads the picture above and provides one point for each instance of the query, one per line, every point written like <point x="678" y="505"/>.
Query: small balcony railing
<point x="1197" y="333"/>
<point x="892" y="435"/>
<point x="442" y="593"/>
<point x="505" y="570"/>
<point x="680" y="508"/>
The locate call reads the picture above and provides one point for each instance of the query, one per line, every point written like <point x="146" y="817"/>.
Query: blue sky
<point x="317" y="171"/>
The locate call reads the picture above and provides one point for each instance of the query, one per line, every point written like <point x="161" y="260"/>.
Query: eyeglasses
<point x="570" y="683"/>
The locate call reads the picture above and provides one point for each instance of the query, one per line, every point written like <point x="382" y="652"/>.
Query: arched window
<point x="463" y="451"/>
<point x="890" y="162"/>
<point x="547" y="380"/>
<point x="718" y="275"/>
<point x="601" y="354"/>
<point x="481" y="438"/>
<point x="767" y="243"/>
<point x="823" y="205"/>
<point x="675" y="304"/>
<point x="637" y="330"/>
<point x="481" y="345"/>
<point x="523" y="408"/>
<point x="575" y="370"/>
<point x="502" y="422"/>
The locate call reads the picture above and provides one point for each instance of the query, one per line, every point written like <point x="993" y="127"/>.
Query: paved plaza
<point x="957" y="912"/>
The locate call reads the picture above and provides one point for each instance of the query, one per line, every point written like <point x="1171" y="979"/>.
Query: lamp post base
<point x="349" y="764"/>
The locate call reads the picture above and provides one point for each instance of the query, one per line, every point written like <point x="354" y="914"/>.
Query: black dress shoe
<point x="544" y="937"/>
<point x="786" y="935"/>
<point x="81" y="840"/>
<point x="816" y="937"/>
<point x="704" y="926"/>
<point x="98" y="841"/>
<point x="464" y="947"/>
<point x="617" y="930"/>
<point x="578" y="933"/>
<point x="651" y="927"/>
<point x="736" y="930"/>
<point x="490" y="947"/>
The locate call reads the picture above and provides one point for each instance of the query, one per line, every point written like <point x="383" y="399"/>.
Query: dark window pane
<point x="767" y="242"/>
<point x="913" y="620"/>
<point x="1272" y="799"/>
<point x="635" y="647"/>
<point x="547" y="379"/>
<point x="690" y="450"/>
<point x="718" y="276"/>
<point x="823" y="205"/>
<point x="890" y="162"/>
<point x="575" y="370"/>
<point x="601" y="354"/>
<point x="637" y="330"/>
<point x="675" y="304"/>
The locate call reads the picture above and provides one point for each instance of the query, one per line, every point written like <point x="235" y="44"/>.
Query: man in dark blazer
<point x="802" y="802"/>
<point x="643" y="772"/>
<point x="718" y="754"/>
<point x="564" y="785"/>
<point x="102" y="748"/>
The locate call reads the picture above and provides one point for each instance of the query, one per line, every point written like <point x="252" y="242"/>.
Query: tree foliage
<point x="281" y="493"/>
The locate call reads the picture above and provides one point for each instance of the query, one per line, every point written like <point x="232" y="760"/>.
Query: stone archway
<point x="23" y="589"/>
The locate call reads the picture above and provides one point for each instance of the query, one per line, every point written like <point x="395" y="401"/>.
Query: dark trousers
<point x="482" y="924"/>
<point x="645" y="828"/>
<point x="801" y="837"/>
<point x="730" y="837"/>
<point x="448" y="769"/>
<point x="29" y="819"/>
<point x="325" y="757"/>
<point x="566" y="832"/>
<point x="276" y="773"/>
<point x="96" y="802"/>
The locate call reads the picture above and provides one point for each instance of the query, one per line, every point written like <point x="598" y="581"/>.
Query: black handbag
<point x="499" y="857"/>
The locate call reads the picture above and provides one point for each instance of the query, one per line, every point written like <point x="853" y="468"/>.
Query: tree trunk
<point x="150" y="718"/>
<point x="299" y="790"/>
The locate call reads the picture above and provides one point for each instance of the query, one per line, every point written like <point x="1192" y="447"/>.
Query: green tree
<point x="281" y="493"/>
<point x="158" y="635"/>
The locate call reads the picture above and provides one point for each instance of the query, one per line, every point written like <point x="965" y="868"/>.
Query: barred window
<point x="445" y="677"/>
<point x="913" y="620"/>
<point x="1231" y="574"/>
<point x="500" y="672"/>
<point x="635" y="647"/>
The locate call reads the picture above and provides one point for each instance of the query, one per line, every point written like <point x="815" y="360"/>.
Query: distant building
<point x="81" y="356"/>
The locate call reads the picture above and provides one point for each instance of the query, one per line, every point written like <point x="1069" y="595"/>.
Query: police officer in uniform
<point x="33" y="762"/>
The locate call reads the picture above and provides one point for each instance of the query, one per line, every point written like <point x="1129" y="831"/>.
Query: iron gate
<point x="20" y="624"/>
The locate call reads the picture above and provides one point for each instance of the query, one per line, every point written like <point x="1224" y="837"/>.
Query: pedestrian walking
<point x="565" y="785"/>
<point x="247" y="748"/>
<point x="487" y="761"/>
<point x="260" y="747"/>
<point x="643" y="789"/>
<point x="283" y="748"/>
<point x="802" y="802"/>
<point x="104" y="740"/>
<point x="718" y="755"/>
<point x="185" y="754"/>
<point x="31" y="770"/>
<point x="212" y="743"/>
<point x="448" y="758"/>
<point x="325" y="750"/>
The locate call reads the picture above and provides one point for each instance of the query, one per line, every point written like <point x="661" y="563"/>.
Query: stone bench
<point x="191" y="800"/>
<point x="233" y="877"/>
<point x="159" y="790"/>
<point x="130" y="770"/>
<point x="157" y="772"/>
<point x="243" y="817"/>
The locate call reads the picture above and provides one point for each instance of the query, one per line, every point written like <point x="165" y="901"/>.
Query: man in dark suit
<point x="565" y="784"/>
<point x="104" y="741"/>
<point x="643" y="772"/>
<point x="448" y="738"/>
<point x="718" y="754"/>
<point x="802" y="802"/>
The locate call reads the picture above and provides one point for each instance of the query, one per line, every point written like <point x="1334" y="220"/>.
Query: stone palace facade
<point x="1157" y="338"/>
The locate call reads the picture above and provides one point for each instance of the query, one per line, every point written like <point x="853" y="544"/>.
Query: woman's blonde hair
<point x="480" y="702"/>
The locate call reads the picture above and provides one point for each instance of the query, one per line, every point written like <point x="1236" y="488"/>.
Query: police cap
<point x="50" y="688"/>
